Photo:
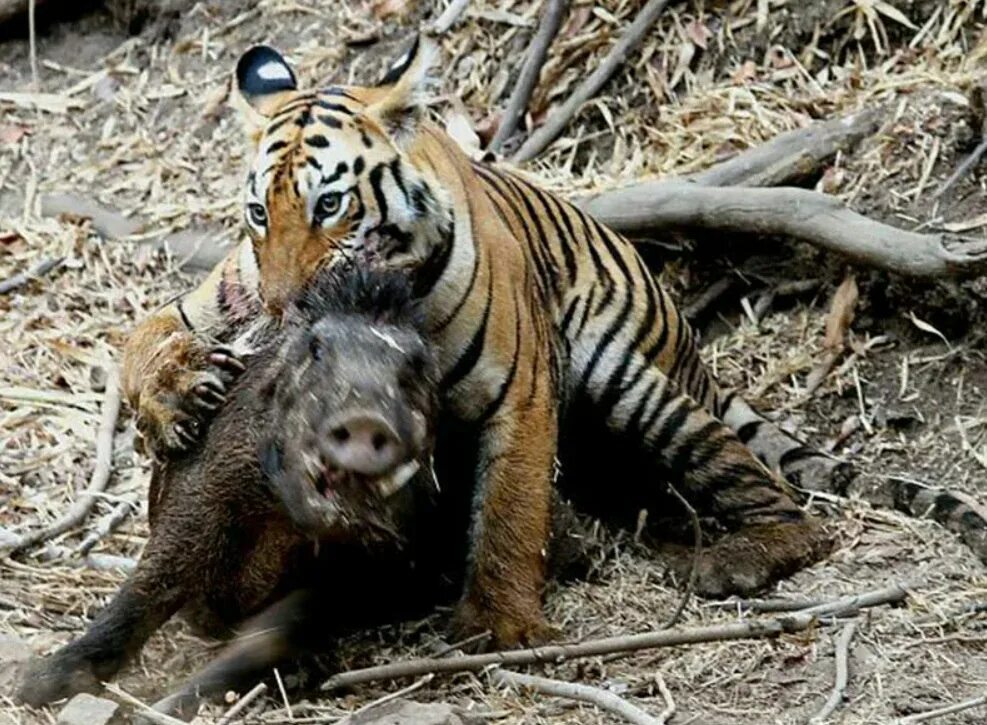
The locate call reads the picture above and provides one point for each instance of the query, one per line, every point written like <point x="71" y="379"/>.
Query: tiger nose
<point x="364" y="443"/>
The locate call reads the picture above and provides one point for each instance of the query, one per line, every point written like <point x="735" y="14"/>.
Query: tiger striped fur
<point x="542" y="317"/>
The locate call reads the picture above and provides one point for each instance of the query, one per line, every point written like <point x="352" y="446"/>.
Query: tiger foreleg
<point x="511" y="527"/>
<point x="770" y="536"/>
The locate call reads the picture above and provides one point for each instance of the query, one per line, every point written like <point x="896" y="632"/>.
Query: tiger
<point x="545" y="321"/>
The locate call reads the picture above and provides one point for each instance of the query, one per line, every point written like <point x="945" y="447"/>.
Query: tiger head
<point x="335" y="172"/>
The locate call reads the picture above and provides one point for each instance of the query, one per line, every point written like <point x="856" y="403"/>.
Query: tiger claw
<point x="187" y="433"/>
<point x="209" y="396"/>
<point x="226" y="360"/>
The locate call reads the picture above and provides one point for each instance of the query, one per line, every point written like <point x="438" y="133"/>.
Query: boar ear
<point x="264" y="81"/>
<point x="396" y="104"/>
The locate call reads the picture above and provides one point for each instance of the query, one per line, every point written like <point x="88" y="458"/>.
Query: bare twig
<point x="603" y="699"/>
<point x="240" y="705"/>
<point x="838" y="694"/>
<point x="667" y="697"/>
<point x="558" y="120"/>
<point x="793" y="213"/>
<point x="537" y="51"/>
<point x="22" y="278"/>
<point x="793" y="156"/>
<point x="33" y="43"/>
<point x="766" y="605"/>
<point x="699" y="306"/>
<point x="697" y="552"/>
<point x="853" y="602"/>
<point x="97" y="481"/>
<point x="750" y="629"/>
<point x="146" y="711"/>
<point x="105" y="527"/>
<point x="963" y="169"/>
<point x="948" y="710"/>
<point x="448" y="18"/>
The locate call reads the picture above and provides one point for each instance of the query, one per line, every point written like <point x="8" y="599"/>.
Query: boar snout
<point x="363" y="442"/>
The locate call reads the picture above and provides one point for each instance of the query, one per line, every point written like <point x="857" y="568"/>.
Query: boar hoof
<point x="48" y="679"/>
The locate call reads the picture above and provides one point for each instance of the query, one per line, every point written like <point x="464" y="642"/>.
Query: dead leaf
<point x="841" y="313"/>
<point x="12" y="133"/>
<point x="398" y="9"/>
<point x="745" y="73"/>
<point x="460" y="128"/>
<point x="698" y="33"/>
<point x="926" y="327"/>
<point x="577" y="20"/>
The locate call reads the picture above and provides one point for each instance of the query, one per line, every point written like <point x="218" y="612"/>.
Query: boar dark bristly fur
<point x="292" y="509"/>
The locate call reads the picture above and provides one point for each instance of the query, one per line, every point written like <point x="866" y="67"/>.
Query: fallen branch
<point x="22" y="278"/>
<point x="697" y="552"/>
<point x="148" y="713"/>
<point x="787" y="159"/>
<point x="948" y="710"/>
<point x="750" y="629"/>
<point x="842" y="656"/>
<point x="105" y="527"/>
<point x="534" y="60"/>
<point x="97" y="481"/>
<point x="448" y="18"/>
<point x="558" y="119"/>
<point x="793" y="156"/>
<point x="766" y="605"/>
<point x="259" y="689"/>
<point x="194" y="248"/>
<point x="666" y="695"/>
<point x="799" y="214"/>
<point x="603" y="699"/>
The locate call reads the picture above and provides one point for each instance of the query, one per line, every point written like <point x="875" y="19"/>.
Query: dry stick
<point x="259" y="689"/>
<point x="558" y="120"/>
<point x="798" y="214"/>
<point x="146" y="711"/>
<point x="948" y="710"/>
<point x="448" y="17"/>
<point x="100" y="475"/>
<point x="842" y="655"/>
<point x="106" y="526"/>
<point x="535" y="58"/>
<point x="603" y="699"/>
<point x="751" y="629"/>
<point x="22" y="278"/>
<point x="667" y="697"/>
<point x="968" y="163"/>
<point x="697" y="553"/>
<point x="766" y="605"/>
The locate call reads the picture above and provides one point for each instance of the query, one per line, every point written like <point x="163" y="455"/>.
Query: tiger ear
<point x="399" y="98"/>
<point x="264" y="81"/>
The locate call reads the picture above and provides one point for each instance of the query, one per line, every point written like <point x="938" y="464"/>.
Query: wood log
<point x="792" y="213"/>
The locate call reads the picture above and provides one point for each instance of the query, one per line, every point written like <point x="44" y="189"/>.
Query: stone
<point x="14" y="654"/>
<point x="85" y="709"/>
<point x="406" y="712"/>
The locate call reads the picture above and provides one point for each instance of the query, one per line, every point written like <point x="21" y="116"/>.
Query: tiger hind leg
<point x="803" y="466"/>
<point x="769" y="535"/>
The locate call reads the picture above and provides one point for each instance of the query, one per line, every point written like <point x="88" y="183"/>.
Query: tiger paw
<point x="183" y="393"/>
<point x="818" y="472"/>
<point x="506" y="630"/>
<point x="752" y="558"/>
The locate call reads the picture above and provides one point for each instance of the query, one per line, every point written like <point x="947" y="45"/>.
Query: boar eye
<point x="316" y="349"/>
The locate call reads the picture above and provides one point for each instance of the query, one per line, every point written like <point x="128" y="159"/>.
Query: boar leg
<point x="282" y="631"/>
<point x="144" y="603"/>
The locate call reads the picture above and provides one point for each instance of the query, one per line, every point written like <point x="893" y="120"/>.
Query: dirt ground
<point x="139" y="124"/>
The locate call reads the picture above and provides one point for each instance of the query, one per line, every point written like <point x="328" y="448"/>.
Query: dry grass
<point x="140" y="125"/>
